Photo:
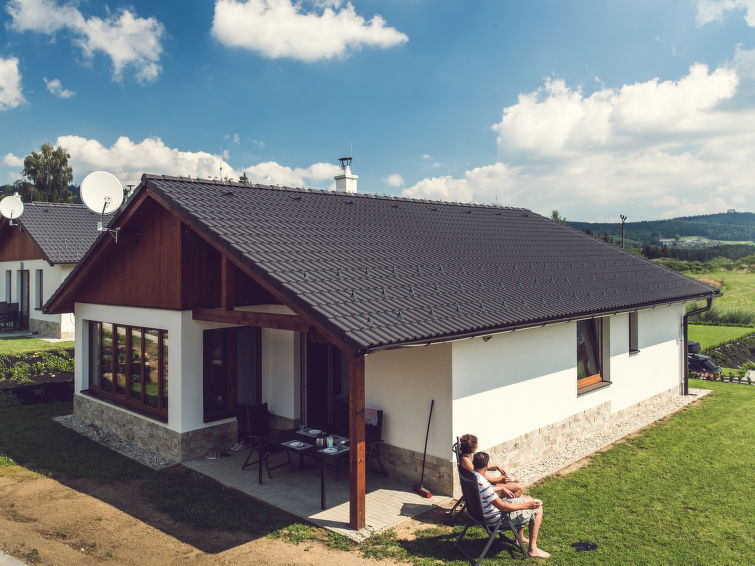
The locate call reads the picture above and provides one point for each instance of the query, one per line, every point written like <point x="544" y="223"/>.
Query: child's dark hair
<point x="480" y="460"/>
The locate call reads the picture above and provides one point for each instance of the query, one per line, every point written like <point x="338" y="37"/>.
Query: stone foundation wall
<point x="46" y="328"/>
<point x="544" y="441"/>
<point x="153" y="435"/>
<point x="406" y="465"/>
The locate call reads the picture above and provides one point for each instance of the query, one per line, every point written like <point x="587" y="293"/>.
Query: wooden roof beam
<point x="257" y="319"/>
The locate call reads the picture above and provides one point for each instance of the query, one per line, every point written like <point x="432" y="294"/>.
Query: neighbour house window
<point x="8" y="285"/>
<point x="633" y="333"/>
<point x="589" y="350"/>
<point x="128" y="365"/>
<point x="40" y="289"/>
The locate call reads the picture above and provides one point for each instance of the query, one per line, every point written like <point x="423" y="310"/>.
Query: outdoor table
<point x="303" y="443"/>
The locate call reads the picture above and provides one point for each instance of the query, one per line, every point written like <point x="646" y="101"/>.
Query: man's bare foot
<point x="525" y="540"/>
<point x="537" y="553"/>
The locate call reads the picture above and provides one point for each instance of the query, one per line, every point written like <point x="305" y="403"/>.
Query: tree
<point x="556" y="217"/>
<point x="244" y="178"/>
<point x="50" y="174"/>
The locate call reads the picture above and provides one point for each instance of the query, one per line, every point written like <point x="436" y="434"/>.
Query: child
<point x="505" y="485"/>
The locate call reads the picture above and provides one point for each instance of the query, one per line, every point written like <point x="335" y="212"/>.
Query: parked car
<point x="693" y="347"/>
<point x="701" y="363"/>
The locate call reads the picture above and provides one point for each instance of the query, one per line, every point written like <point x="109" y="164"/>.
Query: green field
<point x="710" y="336"/>
<point x="738" y="288"/>
<point x="11" y="346"/>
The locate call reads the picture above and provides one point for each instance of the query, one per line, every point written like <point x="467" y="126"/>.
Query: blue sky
<point x="593" y="108"/>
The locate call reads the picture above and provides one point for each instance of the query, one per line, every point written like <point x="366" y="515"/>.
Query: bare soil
<point x="43" y="521"/>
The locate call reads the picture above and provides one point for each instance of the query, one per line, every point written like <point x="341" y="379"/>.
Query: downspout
<point x="685" y="385"/>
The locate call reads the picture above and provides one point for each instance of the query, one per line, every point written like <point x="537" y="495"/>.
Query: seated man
<point x="505" y="485"/>
<point x="521" y="509"/>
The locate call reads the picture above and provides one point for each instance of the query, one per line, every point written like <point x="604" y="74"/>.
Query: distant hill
<point x="730" y="226"/>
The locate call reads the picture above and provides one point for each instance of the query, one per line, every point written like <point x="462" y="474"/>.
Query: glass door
<point x="23" y="298"/>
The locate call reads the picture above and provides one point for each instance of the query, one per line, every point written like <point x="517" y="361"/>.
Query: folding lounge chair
<point x="373" y="437"/>
<point x="257" y="423"/>
<point x="471" y="493"/>
<point x="460" y="504"/>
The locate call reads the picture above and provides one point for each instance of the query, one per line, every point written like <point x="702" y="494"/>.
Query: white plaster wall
<point x="657" y="367"/>
<point x="52" y="277"/>
<point x="520" y="381"/>
<point x="401" y="383"/>
<point x="280" y="372"/>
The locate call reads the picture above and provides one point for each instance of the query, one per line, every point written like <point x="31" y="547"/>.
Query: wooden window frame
<point x="595" y="381"/>
<point x="127" y="400"/>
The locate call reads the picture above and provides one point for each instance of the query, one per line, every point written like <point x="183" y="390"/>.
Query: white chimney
<point x="346" y="182"/>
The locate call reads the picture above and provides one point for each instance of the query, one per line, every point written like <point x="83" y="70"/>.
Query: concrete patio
<point x="296" y="491"/>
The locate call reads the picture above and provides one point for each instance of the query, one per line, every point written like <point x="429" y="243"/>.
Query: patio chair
<point x="12" y="320"/>
<point x="473" y="508"/>
<point x="373" y="440"/>
<point x="3" y="315"/>
<point x="256" y="422"/>
<point x="460" y="504"/>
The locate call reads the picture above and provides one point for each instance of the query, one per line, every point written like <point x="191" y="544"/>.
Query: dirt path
<point x="45" y="522"/>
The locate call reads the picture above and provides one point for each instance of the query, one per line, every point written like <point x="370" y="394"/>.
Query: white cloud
<point x="56" y="88"/>
<point x="425" y="156"/>
<point x="716" y="10"/>
<point x="236" y="138"/>
<point x="259" y="144"/>
<point x="128" y="160"/>
<point x="648" y="149"/>
<point x="130" y="41"/>
<point x="12" y="160"/>
<point x="394" y="180"/>
<point x="307" y="31"/>
<point x="10" y="84"/>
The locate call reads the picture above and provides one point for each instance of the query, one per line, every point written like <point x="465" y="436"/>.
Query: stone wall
<point x="406" y="465"/>
<point x="544" y="441"/>
<point x="47" y="328"/>
<point x="150" y="434"/>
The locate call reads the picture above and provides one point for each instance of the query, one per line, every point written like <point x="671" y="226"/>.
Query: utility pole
<point x="623" y="219"/>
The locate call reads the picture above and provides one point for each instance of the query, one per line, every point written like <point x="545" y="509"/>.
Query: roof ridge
<point x="148" y="176"/>
<point x="60" y="204"/>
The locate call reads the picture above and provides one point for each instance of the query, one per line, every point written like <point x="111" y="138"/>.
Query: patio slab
<point x="388" y="502"/>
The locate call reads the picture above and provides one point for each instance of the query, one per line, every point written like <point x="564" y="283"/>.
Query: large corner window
<point x="128" y="365"/>
<point x="589" y="350"/>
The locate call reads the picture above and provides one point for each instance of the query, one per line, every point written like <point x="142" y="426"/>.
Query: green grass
<point x="10" y="346"/>
<point x="681" y="492"/>
<point x="710" y="336"/>
<point x="738" y="288"/>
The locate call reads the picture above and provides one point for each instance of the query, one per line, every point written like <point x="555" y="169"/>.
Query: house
<point x="37" y="252"/>
<point x="523" y="331"/>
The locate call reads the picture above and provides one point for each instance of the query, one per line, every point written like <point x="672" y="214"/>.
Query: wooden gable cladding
<point x="143" y="269"/>
<point x="17" y="245"/>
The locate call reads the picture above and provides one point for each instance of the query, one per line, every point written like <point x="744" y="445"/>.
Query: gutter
<point x="685" y="380"/>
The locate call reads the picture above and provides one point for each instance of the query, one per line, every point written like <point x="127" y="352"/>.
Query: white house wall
<point x="520" y="381"/>
<point x="402" y="383"/>
<point x="52" y="277"/>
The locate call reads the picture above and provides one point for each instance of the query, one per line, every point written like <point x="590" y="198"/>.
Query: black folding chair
<point x="373" y="440"/>
<point x="460" y="504"/>
<point x="256" y="421"/>
<point x="3" y="315"/>
<point x="13" y="313"/>
<point x="473" y="508"/>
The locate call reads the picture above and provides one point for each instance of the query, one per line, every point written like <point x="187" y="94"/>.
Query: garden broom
<point x="420" y="489"/>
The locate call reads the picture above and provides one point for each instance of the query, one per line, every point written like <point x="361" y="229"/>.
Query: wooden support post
<point x="356" y="442"/>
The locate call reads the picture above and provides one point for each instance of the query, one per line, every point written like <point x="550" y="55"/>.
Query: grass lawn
<point x="681" y="492"/>
<point x="709" y="336"/>
<point x="738" y="288"/>
<point x="10" y="346"/>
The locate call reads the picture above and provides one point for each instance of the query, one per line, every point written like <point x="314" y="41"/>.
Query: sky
<point x="593" y="108"/>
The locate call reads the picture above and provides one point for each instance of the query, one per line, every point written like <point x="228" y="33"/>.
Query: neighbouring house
<point x="37" y="252"/>
<point x="523" y="331"/>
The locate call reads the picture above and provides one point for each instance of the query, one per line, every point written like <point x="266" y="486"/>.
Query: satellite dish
<point x="11" y="207"/>
<point x="101" y="192"/>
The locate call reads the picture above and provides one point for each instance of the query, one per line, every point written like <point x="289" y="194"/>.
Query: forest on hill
<point x="728" y="226"/>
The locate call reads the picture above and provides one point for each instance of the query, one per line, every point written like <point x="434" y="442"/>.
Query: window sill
<point x="134" y="407"/>
<point x="593" y="387"/>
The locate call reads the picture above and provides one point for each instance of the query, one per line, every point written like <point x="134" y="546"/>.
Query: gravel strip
<point x="128" y="449"/>
<point x="594" y="442"/>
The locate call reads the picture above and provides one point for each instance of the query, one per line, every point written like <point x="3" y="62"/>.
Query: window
<point x="589" y="358"/>
<point x="128" y="365"/>
<point x="232" y="370"/>
<point x="40" y="289"/>
<point x="633" y="333"/>
<point x="8" y="286"/>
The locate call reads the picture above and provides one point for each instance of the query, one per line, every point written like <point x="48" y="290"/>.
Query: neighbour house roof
<point x="380" y="271"/>
<point x="63" y="232"/>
